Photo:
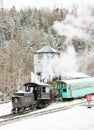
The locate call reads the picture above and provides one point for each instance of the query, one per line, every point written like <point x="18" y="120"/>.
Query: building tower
<point x="44" y="62"/>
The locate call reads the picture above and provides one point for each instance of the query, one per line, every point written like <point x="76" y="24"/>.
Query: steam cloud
<point x="76" y="26"/>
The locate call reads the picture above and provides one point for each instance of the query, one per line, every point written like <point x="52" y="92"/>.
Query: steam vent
<point x="44" y="62"/>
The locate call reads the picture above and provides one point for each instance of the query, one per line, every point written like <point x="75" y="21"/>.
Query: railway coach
<point x="74" y="88"/>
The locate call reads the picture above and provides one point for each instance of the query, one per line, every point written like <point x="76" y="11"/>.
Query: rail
<point x="11" y="118"/>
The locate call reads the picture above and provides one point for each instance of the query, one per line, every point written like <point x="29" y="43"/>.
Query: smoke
<point x="86" y="62"/>
<point x="76" y="26"/>
<point x="67" y="61"/>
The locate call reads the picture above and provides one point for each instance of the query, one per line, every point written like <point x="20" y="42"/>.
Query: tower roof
<point x="47" y="49"/>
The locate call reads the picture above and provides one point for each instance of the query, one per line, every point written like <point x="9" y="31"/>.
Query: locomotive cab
<point x="42" y="93"/>
<point x="32" y="87"/>
<point x="40" y="90"/>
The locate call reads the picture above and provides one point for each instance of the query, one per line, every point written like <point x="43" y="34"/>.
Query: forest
<point x="23" y="32"/>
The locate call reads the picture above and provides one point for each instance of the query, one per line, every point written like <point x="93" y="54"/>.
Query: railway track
<point x="6" y="119"/>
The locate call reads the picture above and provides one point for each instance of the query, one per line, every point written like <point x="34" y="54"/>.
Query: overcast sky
<point x="43" y="3"/>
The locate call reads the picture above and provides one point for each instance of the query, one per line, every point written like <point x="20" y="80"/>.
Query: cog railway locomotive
<point x="35" y="96"/>
<point x="40" y="95"/>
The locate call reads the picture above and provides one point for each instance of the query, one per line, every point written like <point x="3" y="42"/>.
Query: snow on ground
<point x="77" y="118"/>
<point x="5" y="108"/>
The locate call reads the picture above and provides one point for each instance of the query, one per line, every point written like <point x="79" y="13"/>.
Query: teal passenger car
<point x="74" y="88"/>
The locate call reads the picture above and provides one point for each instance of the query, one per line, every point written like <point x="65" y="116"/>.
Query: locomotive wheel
<point x="21" y="110"/>
<point x="33" y="107"/>
<point x="43" y="104"/>
<point x="15" y="110"/>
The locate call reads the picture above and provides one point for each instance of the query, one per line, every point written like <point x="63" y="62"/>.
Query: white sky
<point x="43" y="3"/>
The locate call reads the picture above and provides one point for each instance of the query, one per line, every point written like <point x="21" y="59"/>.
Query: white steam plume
<point x="79" y="26"/>
<point x="75" y="27"/>
<point x="67" y="61"/>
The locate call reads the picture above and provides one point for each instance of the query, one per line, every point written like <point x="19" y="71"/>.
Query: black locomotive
<point x="35" y="96"/>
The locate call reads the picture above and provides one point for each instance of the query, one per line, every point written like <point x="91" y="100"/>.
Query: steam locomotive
<point x="35" y="96"/>
<point x="40" y="95"/>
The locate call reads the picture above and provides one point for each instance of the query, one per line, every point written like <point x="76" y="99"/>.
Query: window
<point x="64" y="90"/>
<point x="27" y="88"/>
<point x="43" y="89"/>
<point x="47" y="90"/>
<point x="31" y="89"/>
